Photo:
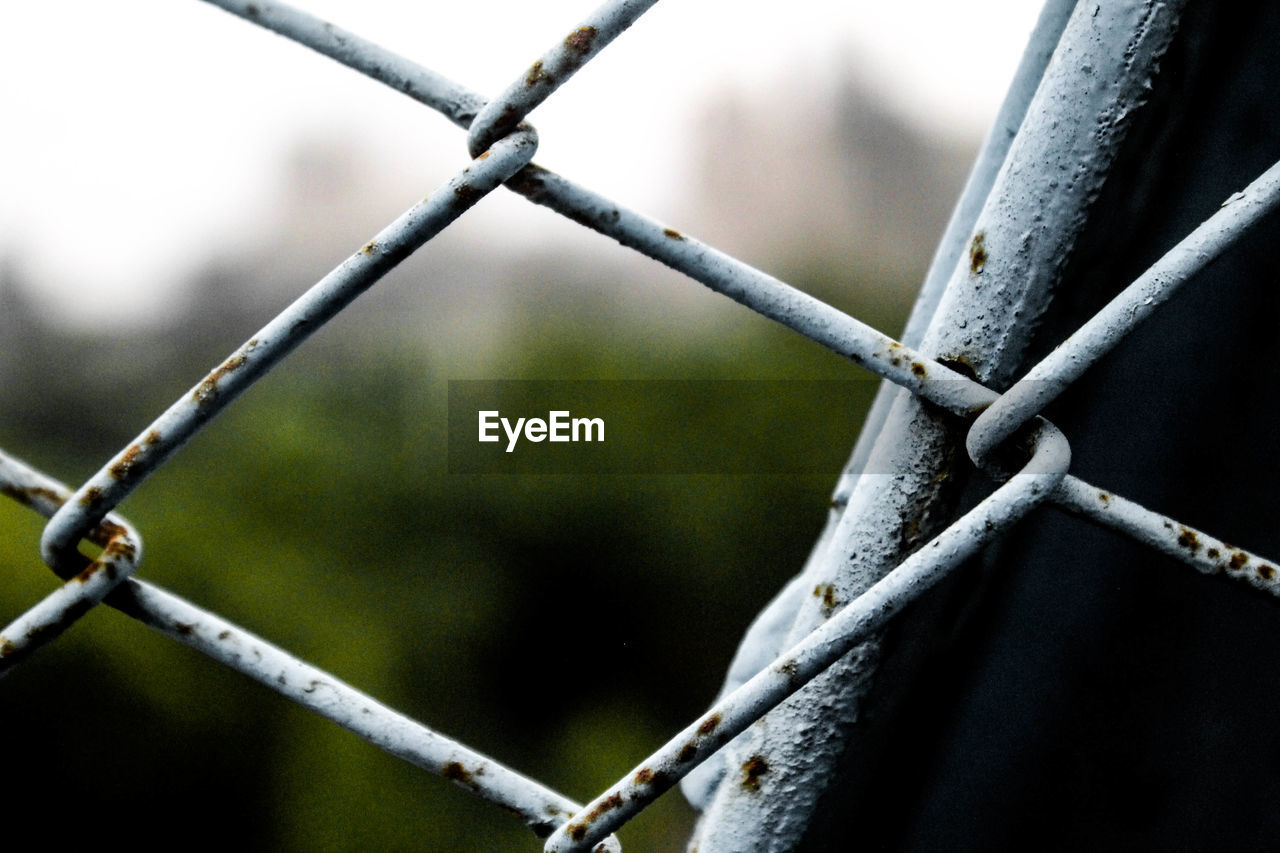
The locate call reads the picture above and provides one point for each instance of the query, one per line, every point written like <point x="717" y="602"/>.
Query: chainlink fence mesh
<point x="1067" y="238"/>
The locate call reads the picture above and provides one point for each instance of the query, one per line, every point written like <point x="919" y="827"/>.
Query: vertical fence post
<point x="1099" y="76"/>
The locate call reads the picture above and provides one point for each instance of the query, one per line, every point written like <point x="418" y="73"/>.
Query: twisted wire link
<point x="1104" y="330"/>
<point x="502" y="147"/>
<point x="88" y="581"/>
<point x="858" y="620"/>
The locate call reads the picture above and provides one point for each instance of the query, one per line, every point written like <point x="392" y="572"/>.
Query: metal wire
<point x="88" y="581"/>
<point x="993" y="222"/>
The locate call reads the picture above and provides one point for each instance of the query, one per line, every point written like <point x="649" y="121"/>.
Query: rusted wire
<point x="88" y="581"/>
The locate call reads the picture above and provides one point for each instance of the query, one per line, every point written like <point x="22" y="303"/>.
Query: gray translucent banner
<point x="654" y="426"/>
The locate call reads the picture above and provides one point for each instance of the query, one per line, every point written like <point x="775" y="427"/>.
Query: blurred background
<point x="172" y="177"/>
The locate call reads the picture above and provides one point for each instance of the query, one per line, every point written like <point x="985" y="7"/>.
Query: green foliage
<point x="565" y="624"/>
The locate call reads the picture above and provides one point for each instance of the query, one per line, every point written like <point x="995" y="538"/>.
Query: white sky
<point x="141" y="136"/>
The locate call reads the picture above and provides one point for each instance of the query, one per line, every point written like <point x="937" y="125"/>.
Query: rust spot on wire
<point x="537" y="74"/>
<point x="687" y="753"/>
<point x="672" y="233"/>
<point x="455" y="772"/>
<point x="120" y="548"/>
<point x="7" y="648"/>
<point x="153" y="437"/>
<point x="209" y="387"/>
<point x="826" y="592"/>
<point x="978" y="253"/>
<point x="1104" y="497"/>
<point x="752" y="770"/>
<point x="1188" y="539"/>
<point x="106" y="532"/>
<point x="578" y="831"/>
<point x="229" y="366"/>
<point x="1266" y="572"/>
<point x="645" y="776"/>
<point x="918" y="369"/>
<point x="581" y="39"/>
<point x="89" y="572"/>
<point x="92" y="496"/>
<point x="121" y="469"/>
<point x="607" y="805"/>
<point x="186" y="629"/>
<point x="224" y="635"/>
<point x="1238" y="559"/>
<point x="29" y="495"/>
<point x="709" y="725"/>
<point x="1213" y="553"/>
<point x="369" y="248"/>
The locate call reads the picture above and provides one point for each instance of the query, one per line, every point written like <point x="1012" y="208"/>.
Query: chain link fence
<point x="959" y="384"/>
